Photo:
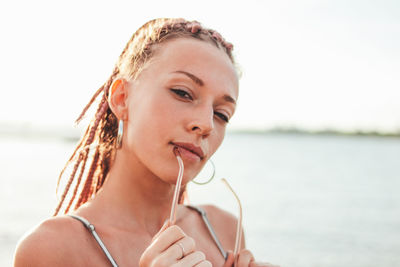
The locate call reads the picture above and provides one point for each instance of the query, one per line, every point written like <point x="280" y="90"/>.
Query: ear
<point x="118" y="98"/>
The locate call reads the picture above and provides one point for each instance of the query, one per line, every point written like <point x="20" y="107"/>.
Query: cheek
<point x="216" y="140"/>
<point x="151" y="113"/>
<point x="150" y="124"/>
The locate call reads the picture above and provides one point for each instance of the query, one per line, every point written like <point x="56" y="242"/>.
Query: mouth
<point x="189" y="150"/>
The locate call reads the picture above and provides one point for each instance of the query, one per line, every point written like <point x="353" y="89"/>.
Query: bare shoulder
<point x="224" y="223"/>
<point x="51" y="243"/>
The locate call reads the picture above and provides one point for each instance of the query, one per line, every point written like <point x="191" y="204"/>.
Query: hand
<point x="245" y="259"/>
<point x="172" y="247"/>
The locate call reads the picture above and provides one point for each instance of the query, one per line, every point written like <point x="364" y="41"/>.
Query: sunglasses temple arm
<point x="238" y="240"/>
<point x="172" y="217"/>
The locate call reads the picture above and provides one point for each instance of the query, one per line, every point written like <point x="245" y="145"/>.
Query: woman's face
<point x="183" y="97"/>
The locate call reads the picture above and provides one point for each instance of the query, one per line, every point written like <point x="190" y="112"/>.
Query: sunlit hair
<point x="94" y="154"/>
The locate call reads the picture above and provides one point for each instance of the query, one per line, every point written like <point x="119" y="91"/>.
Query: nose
<point x="202" y="121"/>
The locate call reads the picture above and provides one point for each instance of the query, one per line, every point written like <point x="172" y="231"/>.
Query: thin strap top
<point x="210" y="229"/>
<point x="92" y="230"/>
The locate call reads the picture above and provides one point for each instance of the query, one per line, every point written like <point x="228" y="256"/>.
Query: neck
<point x="134" y="197"/>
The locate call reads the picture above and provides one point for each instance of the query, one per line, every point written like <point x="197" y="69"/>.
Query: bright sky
<point x="312" y="64"/>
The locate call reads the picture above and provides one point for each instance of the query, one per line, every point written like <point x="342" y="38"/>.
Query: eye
<point x="181" y="93"/>
<point x="222" y="116"/>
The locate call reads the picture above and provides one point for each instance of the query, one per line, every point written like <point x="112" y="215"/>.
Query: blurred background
<point x="313" y="150"/>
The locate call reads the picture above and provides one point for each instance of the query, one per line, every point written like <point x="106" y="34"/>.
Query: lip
<point x="192" y="148"/>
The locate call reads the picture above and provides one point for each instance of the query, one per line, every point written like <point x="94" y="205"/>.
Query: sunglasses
<point x="172" y="217"/>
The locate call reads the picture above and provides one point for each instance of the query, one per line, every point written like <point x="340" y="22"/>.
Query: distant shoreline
<point x="72" y="134"/>
<point x="299" y="131"/>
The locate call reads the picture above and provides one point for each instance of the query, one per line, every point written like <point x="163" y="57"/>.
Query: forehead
<point x="203" y="59"/>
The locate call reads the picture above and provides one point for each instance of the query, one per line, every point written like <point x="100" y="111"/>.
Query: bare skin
<point x="162" y="106"/>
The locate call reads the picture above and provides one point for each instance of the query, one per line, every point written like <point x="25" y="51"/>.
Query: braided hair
<point x="95" y="152"/>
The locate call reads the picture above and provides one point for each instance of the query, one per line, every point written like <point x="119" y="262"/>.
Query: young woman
<point x="172" y="91"/>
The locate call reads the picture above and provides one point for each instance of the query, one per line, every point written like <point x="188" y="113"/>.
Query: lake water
<point x="308" y="200"/>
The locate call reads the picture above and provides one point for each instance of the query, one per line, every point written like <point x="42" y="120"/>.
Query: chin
<point x="173" y="179"/>
<point x="168" y="173"/>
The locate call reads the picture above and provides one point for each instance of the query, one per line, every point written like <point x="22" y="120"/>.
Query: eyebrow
<point x="194" y="78"/>
<point x="198" y="81"/>
<point x="229" y="99"/>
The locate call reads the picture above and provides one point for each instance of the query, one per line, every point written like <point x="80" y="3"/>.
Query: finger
<point x="166" y="238"/>
<point x="229" y="260"/>
<point x="173" y="256"/>
<point x="165" y="226"/>
<point x="192" y="259"/>
<point x="262" y="264"/>
<point x="244" y="258"/>
<point x="187" y="244"/>
<point x="204" y="264"/>
<point x="180" y="249"/>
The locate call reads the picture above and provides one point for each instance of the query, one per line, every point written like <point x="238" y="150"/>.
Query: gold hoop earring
<point x="212" y="176"/>
<point x="118" y="144"/>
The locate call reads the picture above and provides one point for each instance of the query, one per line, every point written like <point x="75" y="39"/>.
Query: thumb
<point x="165" y="226"/>
<point x="229" y="259"/>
